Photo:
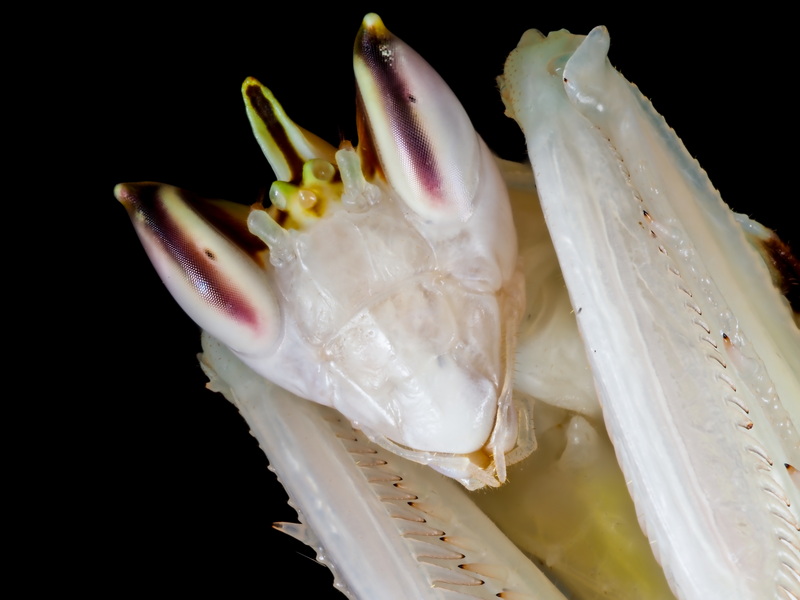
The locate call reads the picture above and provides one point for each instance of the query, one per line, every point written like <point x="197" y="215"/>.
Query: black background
<point x="171" y="492"/>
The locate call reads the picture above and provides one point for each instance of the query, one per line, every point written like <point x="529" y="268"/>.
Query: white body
<point x="663" y="281"/>
<point x="683" y="450"/>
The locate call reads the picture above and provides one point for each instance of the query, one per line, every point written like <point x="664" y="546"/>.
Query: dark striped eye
<point x="412" y="124"/>
<point x="209" y="262"/>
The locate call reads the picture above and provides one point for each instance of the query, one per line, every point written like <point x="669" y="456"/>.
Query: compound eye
<point x="414" y="127"/>
<point x="210" y="263"/>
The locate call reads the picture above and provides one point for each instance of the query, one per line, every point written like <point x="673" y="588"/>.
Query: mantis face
<point x="660" y="221"/>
